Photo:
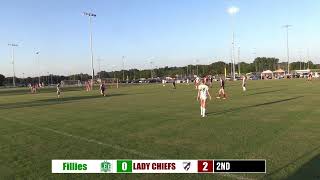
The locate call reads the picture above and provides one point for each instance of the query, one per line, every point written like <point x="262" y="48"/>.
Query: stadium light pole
<point x="151" y="63"/>
<point x="232" y="11"/>
<point x="308" y="57"/>
<point x="48" y="77"/>
<point x="300" y="57"/>
<point x="197" y="61"/>
<point x="287" y="26"/>
<point x="123" y="58"/>
<point x="239" y="61"/>
<point x="99" y="65"/>
<point x="114" y="71"/>
<point x="24" y="81"/>
<point x="187" y="70"/>
<point x="254" y="53"/>
<point x="13" y="68"/>
<point x="90" y="15"/>
<point x="38" y="61"/>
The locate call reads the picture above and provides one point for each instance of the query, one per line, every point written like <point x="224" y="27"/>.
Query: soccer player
<point x="309" y="77"/>
<point x="174" y="83"/>
<point x="244" y="82"/>
<point x="31" y="88"/>
<point x="196" y="82"/>
<point x="221" y="90"/>
<point x="163" y="82"/>
<point x="58" y="90"/>
<point x="205" y="80"/>
<point x="102" y="89"/>
<point x="203" y="93"/>
<point x="88" y="86"/>
<point x="34" y="88"/>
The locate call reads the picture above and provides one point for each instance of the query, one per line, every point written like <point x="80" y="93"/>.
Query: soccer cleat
<point x="218" y="97"/>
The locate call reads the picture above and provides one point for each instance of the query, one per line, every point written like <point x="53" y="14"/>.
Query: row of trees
<point x="216" y="68"/>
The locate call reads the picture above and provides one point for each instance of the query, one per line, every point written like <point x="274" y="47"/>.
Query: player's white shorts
<point x="203" y="97"/>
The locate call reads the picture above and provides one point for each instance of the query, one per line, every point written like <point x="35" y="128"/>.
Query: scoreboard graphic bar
<point x="240" y="166"/>
<point x="159" y="166"/>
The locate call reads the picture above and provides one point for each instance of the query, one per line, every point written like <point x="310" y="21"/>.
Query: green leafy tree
<point x="2" y="79"/>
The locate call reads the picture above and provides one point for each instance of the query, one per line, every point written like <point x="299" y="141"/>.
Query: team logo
<point x="186" y="165"/>
<point x="105" y="166"/>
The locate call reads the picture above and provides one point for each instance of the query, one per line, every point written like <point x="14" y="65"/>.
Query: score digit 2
<point x="205" y="166"/>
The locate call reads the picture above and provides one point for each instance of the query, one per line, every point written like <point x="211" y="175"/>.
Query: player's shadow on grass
<point x="265" y="92"/>
<point x="251" y="89"/>
<point x="53" y="101"/>
<point x="267" y="87"/>
<point x="253" y="106"/>
<point x="309" y="170"/>
<point x="24" y="91"/>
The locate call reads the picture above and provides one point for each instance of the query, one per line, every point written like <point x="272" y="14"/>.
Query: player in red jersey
<point x="221" y="90"/>
<point x="102" y="89"/>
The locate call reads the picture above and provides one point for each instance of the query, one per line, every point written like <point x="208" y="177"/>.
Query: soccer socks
<point x="203" y="111"/>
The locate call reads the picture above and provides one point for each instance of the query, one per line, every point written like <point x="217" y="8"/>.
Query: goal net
<point x="71" y="83"/>
<point x="109" y="82"/>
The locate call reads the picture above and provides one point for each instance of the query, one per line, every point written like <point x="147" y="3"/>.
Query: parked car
<point x="254" y="78"/>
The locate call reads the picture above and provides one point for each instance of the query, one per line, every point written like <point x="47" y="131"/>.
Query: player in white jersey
<point x="244" y="82"/>
<point x="58" y="90"/>
<point x="196" y="82"/>
<point x="203" y="93"/>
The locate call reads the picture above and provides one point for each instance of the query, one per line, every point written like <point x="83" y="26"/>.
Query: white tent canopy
<point x="267" y="72"/>
<point x="279" y="71"/>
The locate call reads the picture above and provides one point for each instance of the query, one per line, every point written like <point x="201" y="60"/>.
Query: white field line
<point x="116" y="147"/>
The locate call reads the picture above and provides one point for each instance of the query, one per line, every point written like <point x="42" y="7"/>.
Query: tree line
<point x="217" y="68"/>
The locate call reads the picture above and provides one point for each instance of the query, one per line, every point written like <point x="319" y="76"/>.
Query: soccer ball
<point x="163" y="85"/>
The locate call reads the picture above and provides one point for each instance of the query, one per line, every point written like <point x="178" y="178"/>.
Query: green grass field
<point x="276" y="120"/>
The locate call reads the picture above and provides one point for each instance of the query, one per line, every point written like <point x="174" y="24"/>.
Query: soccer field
<point x="276" y="120"/>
